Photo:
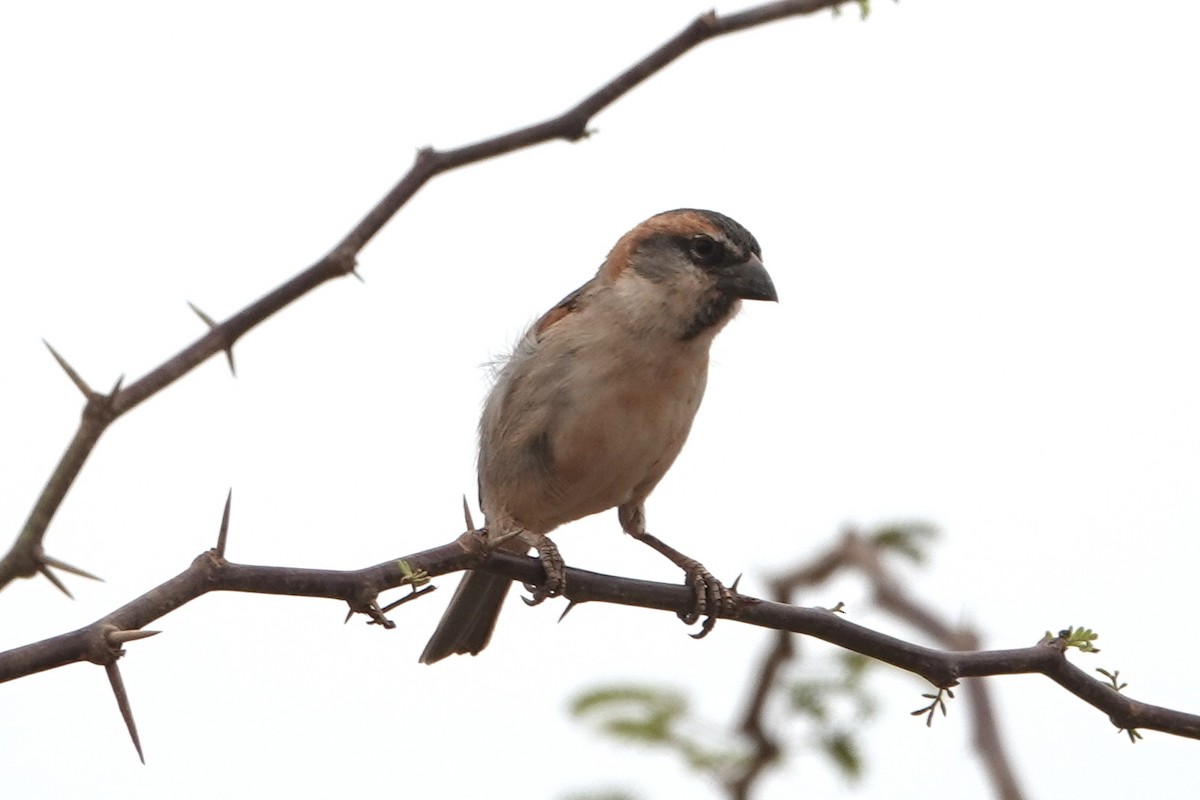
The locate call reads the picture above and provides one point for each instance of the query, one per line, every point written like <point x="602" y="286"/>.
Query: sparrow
<point x="596" y="401"/>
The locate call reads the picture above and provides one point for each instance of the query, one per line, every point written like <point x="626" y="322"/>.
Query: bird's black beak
<point x="748" y="280"/>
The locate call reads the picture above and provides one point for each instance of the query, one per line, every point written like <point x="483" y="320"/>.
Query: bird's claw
<point x="711" y="599"/>
<point x="556" y="576"/>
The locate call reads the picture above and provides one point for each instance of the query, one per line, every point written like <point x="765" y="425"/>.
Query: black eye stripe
<point x="705" y="250"/>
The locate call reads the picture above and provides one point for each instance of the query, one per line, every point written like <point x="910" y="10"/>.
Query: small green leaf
<point x="1079" y="638"/>
<point x="909" y="539"/>
<point x="412" y="577"/>
<point x="843" y="749"/>
<point x="1113" y="678"/>
<point x="808" y="698"/>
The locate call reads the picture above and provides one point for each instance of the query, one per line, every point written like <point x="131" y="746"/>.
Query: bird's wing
<point x="569" y="305"/>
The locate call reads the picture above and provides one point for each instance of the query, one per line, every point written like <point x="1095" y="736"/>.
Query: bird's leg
<point x="552" y="565"/>
<point x="710" y="597"/>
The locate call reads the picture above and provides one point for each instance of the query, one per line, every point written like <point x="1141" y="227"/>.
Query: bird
<point x="595" y="402"/>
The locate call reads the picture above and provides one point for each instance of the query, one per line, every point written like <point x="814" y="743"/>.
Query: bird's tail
<point x="470" y="618"/>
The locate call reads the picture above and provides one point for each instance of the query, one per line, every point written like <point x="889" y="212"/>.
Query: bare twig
<point x="360" y="589"/>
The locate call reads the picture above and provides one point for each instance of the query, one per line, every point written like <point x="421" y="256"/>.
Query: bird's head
<point x="685" y="272"/>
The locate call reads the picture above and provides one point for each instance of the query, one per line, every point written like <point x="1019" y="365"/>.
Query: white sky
<point x="981" y="221"/>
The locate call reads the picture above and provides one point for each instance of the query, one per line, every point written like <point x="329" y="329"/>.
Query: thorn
<point x="467" y="514"/>
<point x="118" y="638"/>
<point x="79" y="382"/>
<point x="65" y="567"/>
<point x="209" y="321"/>
<point x="223" y="536"/>
<point x="50" y="576"/>
<point x="212" y="323"/>
<point x="110" y="399"/>
<point x="570" y="604"/>
<point x="349" y="614"/>
<point x="118" y="687"/>
<point x="354" y="272"/>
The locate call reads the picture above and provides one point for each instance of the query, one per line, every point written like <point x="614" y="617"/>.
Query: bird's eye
<point x="705" y="249"/>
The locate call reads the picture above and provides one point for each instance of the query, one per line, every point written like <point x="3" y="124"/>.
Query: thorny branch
<point x="27" y="558"/>
<point x="100" y="641"/>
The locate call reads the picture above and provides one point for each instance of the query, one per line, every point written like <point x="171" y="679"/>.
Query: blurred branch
<point x="863" y="554"/>
<point x="100" y="641"/>
<point x="27" y="557"/>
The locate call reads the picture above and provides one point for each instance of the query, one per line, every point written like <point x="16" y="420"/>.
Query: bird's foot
<point x="556" y="576"/>
<point x="711" y="598"/>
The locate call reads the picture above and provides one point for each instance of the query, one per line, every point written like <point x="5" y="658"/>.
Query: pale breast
<point x="575" y="429"/>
